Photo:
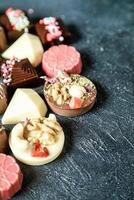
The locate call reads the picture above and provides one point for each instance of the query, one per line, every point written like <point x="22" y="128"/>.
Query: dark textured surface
<point x="98" y="158"/>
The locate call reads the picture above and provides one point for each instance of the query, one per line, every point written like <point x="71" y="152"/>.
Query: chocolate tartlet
<point x="15" y="23"/>
<point x="3" y="140"/>
<point x="3" y="98"/>
<point x="51" y="31"/>
<point x="70" y="95"/>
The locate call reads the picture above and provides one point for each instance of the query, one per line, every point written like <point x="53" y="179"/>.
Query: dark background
<point x="98" y="158"/>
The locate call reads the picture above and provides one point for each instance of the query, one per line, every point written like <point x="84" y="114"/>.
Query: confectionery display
<point x="3" y="139"/>
<point x="3" y="40"/>
<point x="11" y="177"/>
<point x="27" y="59"/>
<point x="51" y="30"/>
<point x="18" y="73"/>
<point x="15" y="22"/>
<point x="62" y="57"/>
<point x="25" y="103"/>
<point x="26" y="46"/>
<point x="3" y="98"/>
<point x="70" y="95"/>
<point x="37" y="141"/>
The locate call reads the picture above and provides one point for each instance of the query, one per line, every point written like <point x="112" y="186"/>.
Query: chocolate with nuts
<point x="41" y="133"/>
<point x="70" y="95"/>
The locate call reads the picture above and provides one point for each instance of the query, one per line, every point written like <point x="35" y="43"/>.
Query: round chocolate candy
<point x="70" y="95"/>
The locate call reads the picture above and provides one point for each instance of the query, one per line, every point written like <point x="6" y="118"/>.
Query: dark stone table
<point x="98" y="157"/>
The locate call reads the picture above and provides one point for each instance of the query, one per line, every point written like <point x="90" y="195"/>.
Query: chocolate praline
<point x="70" y="95"/>
<point x="3" y="140"/>
<point x="52" y="31"/>
<point x="18" y="73"/>
<point x="11" y="29"/>
<point x="3" y="98"/>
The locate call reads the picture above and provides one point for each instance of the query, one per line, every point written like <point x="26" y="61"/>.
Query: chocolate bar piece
<point x="52" y="31"/>
<point x="15" y="23"/>
<point x="18" y="73"/>
<point x="3" y="40"/>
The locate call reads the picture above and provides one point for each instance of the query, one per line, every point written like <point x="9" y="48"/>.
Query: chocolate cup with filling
<point x="3" y="140"/>
<point x="65" y="110"/>
<point x="42" y="33"/>
<point x="71" y="112"/>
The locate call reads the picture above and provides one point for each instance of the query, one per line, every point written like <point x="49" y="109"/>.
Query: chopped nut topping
<point x="43" y="129"/>
<point x="66" y="87"/>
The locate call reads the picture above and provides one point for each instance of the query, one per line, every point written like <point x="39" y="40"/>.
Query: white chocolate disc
<point x="21" y="148"/>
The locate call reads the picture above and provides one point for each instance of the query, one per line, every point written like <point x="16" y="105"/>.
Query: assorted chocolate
<point x="51" y="30"/>
<point x="35" y="139"/>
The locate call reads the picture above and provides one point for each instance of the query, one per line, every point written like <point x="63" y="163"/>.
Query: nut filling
<point x="41" y="133"/>
<point x="72" y="91"/>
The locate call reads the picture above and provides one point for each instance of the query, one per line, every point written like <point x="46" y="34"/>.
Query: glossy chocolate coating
<point x="22" y="74"/>
<point x="3" y="140"/>
<point x="3" y="40"/>
<point x="3" y="98"/>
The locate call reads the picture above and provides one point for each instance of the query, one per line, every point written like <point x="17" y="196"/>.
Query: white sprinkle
<point x="61" y="38"/>
<point x="13" y="62"/>
<point x="30" y="11"/>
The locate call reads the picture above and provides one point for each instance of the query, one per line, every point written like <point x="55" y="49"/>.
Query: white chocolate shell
<point x="21" y="148"/>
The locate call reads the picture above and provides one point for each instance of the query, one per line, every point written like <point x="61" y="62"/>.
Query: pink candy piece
<point x="17" y="13"/>
<point x="62" y="57"/>
<point x="11" y="177"/>
<point x="8" y="10"/>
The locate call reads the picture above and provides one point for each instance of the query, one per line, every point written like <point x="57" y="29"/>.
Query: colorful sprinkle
<point x="53" y="28"/>
<point x="6" y="70"/>
<point x="17" y="19"/>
